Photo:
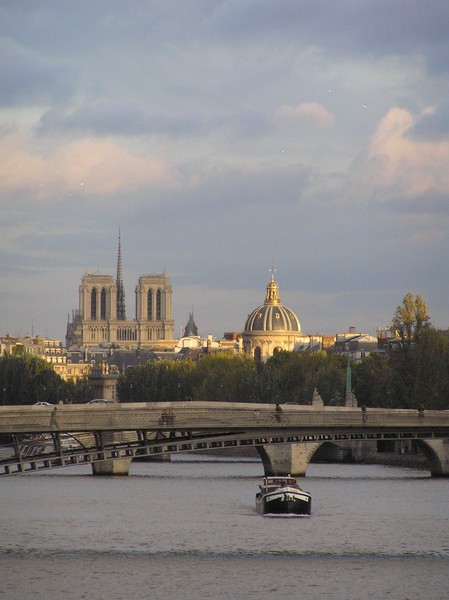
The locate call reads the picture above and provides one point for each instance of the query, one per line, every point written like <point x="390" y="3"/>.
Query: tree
<point x="410" y="322"/>
<point x="223" y="377"/>
<point x="430" y="359"/>
<point x="79" y="391"/>
<point x="410" y="318"/>
<point x="372" y="381"/>
<point x="157" y="381"/>
<point x="292" y="376"/>
<point x="28" y="379"/>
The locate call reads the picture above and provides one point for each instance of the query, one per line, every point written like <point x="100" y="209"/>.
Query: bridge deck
<point x="45" y="437"/>
<point x="206" y="416"/>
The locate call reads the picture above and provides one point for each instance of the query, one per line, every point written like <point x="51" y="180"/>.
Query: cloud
<point x="405" y="165"/>
<point x="307" y="112"/>
<point x="433" y="124"/>
<point x="27" y="77"/>
<point x="84" y="165"/>
<point x="378" y="29"/>
<point x="125" y="119"/>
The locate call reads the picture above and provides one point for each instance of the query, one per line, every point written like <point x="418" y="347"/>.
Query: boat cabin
<point x="272" y="483"/>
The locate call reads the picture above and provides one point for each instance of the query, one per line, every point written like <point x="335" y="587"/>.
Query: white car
<point x="42" y="404"/>
<point x="101" y="401"/>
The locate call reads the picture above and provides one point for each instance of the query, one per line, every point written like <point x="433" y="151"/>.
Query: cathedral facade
<point x="101" y="317"/>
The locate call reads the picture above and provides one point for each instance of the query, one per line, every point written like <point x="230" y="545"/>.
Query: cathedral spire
<point x="121" y="315"/>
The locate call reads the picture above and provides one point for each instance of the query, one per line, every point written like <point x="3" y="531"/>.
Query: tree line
<point x="27" y="379"/>
<point x="413" y="371"/>
<point x="221" y="377"/>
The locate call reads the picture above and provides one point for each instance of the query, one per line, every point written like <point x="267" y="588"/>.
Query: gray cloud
<point x="28" y="78"/>
<point x="109" y="119"/>
<point x="379" y="28"/>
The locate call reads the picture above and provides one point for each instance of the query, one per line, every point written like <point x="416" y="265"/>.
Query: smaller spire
<point x="190" y="328"/>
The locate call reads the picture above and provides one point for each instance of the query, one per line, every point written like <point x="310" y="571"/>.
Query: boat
<point x="281" y="495"/>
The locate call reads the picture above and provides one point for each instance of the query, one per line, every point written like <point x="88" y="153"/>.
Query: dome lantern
<point x="272" y="316"/>
<point x="272" y="296"/>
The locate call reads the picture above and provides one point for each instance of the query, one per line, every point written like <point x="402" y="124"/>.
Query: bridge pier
<point x="436" y="452"/>
<point x="287" y="459"/>
<point x="120" y="466"/>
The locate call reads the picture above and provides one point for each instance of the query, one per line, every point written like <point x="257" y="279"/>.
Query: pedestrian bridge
<point x="110" y="436"/>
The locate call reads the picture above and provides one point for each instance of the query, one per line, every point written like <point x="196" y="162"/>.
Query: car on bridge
<point x="101" y="401"/>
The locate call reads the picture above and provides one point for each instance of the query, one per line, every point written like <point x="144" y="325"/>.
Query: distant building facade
<point x="101" y="317"/>
<point x="355" y="346"/>
<point x="52" y="352"/>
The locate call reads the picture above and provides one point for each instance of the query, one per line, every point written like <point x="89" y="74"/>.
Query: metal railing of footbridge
<point x="40" y="437"/>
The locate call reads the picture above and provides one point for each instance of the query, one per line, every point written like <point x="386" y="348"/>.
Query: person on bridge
<point x="364" y="415"/>
<point x="278" y="411"/>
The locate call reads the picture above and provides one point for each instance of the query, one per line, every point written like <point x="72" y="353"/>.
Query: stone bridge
<point x="110" y="436"/>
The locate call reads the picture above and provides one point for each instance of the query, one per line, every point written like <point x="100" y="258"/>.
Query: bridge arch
<point x="287" y="459"/>
<point x="436" y="452"/>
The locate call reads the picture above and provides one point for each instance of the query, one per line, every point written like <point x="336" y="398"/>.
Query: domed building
<point x="271" y="327"/>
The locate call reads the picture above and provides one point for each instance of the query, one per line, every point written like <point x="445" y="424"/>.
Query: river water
<point x="188" y="530"/>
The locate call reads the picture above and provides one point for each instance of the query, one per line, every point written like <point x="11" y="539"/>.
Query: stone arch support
<point x="436" y="452"/>
<point x="112" y="467"/>
<point x="287" y="459"/>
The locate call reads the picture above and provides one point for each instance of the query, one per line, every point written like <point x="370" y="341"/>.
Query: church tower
<point x="101" y="317"/>
<point x="153" y="307"/>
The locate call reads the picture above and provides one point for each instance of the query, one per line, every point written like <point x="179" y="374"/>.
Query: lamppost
<point x="4" y="395"/>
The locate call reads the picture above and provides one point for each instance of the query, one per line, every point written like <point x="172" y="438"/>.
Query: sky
<point x="225" y="138"/>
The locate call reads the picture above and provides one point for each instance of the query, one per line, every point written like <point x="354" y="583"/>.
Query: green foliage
<point x="292" y="377"/>
<point x="26" y="379"/>
<point x="372" y="381"/>
<point x="415" y="371"/>
<point x="225" y="378"/>
<point x="221" y="377"/>
<point x="78" y="392"/>
<point x="421" y="371"/>
<point x="157" y="381"/>
<point x="410" y="318"/>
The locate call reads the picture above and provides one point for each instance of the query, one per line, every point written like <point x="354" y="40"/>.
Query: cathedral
<point x="101" y="317"/>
